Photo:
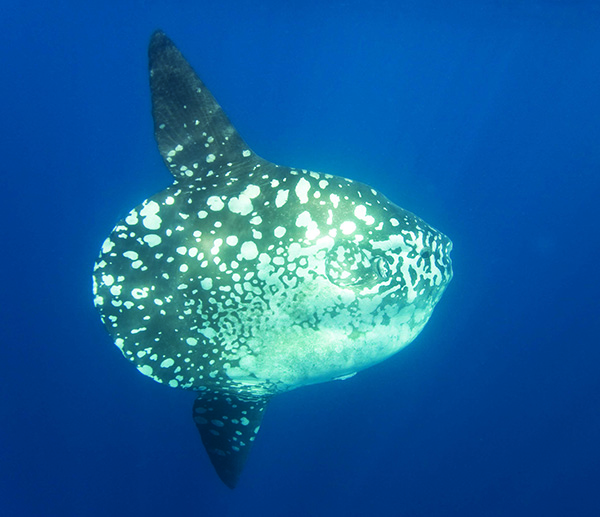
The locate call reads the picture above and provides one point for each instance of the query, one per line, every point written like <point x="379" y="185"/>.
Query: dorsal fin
<point x="228" y="424"/>
<point x="193" y="133"/>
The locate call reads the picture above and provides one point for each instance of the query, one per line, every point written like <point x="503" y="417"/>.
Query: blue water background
<point x="482" y="117"/>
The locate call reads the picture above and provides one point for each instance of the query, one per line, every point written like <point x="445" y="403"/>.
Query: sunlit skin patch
<point x="245" y="279"/>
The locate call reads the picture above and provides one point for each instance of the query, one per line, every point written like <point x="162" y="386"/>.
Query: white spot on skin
<point x="215" y="203"/>
<point x="216" y="246"/>
<point x="252" y="191"/>
<point x="138" y="294"/>
<point x="360" y="211"/>
<point x="132" y="218"/>
<point x="167" y="363"/>
<point x="302" y="188"/>
<point x="210" y="158"/>
<point x="206" y="283"/>
<point x="208" y="332"/>
<point x="393" y="242"/>
<point x="312" y="228"/>
<point x="248" y="250"/>
<point x="240" y="205"/>
<point x="107" y="245"/>
<point x="281" y="198"/>
<point x="232" y="240"/>
<point x="329" y="216"/>
<point x="347" y="227"/>
<point x="152" y="240"/>
<point x="312" y="232"/>
<point x="192" y="341"/>
<point x="150" y="215"/>
<point x="246" y="153"/>
<point x="202" y="214"/>
<point x="334" y="199"/>
<point x="145" y="369"/>
<point x="303" y="219"/>
<point x="394" y="221"/>
<point x="279" y="232"/>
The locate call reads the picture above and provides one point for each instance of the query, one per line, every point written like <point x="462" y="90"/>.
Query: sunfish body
<point x="245" y="279"/>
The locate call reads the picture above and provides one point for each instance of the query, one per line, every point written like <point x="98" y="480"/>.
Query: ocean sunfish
<point x="245" y="279"/>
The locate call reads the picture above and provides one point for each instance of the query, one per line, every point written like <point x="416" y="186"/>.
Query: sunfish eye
<point x="382" y="267"/>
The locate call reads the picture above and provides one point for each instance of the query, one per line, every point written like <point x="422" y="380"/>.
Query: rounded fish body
<point x="245" y="279"/>
<point x="288" y="278"/>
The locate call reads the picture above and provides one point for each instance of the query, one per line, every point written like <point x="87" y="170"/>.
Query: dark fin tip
<point x="158" y="41"/>
<point x="193" y="134"/>
<point x="228" y="424"/>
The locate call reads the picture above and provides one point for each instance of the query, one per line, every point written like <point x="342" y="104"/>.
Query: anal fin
<point x="228" y="424"/>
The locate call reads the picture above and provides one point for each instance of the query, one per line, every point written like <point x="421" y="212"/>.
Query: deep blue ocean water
<point x="482" y="117"/>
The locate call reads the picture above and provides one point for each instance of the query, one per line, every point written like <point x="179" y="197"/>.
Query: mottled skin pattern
<point x="245" y="279"/>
